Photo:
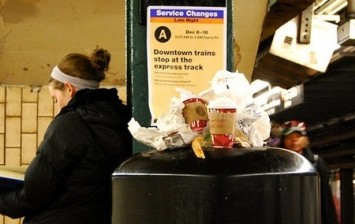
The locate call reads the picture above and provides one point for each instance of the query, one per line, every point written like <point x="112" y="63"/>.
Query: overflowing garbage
<point x="222" y="116"/>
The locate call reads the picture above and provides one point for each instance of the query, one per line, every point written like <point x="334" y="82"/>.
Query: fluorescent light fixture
<point x="330" y="18"/>
<point x="331" y="7"/>
<point x="319" y="3"/>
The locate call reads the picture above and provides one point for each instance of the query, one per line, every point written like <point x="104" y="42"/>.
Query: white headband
<point x="58" y="75"/>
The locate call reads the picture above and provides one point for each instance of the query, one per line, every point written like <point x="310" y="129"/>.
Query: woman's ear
<point x="71" y="90"/>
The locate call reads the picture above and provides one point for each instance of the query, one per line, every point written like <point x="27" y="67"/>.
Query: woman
<point x="294" y="137"/>
<point x="69" y="180"/>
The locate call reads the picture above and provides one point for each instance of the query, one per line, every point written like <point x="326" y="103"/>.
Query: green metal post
<point x="136" y="56"/>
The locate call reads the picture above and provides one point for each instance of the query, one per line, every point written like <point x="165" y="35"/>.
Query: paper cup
<point x="195" y="114"/>
<point x="222" y="123"/>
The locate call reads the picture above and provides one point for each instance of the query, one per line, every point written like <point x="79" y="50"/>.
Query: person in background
<point x="294" y="137"/>
<point x="69" y="180"/>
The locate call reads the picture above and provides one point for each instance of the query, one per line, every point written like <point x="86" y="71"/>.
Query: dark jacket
<point x="328" y="212"/>
<point x="69" y="180"/>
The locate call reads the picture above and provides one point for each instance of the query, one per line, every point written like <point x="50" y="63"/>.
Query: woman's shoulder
<point x="68" y="119"/>
<point x="67" y="131"/>
<point x="66" y="125"/>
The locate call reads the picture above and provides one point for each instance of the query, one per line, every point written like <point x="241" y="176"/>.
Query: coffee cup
<point x="195" y="113"/>
<point x="222" y="115"/>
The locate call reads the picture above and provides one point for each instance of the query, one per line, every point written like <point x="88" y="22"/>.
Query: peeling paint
<point x="15" y="12"/>
<point x="4" y="30"/>
<point x="29" y="1"/>
<point x="36" y="34"/>
<point x="2" y="2"/>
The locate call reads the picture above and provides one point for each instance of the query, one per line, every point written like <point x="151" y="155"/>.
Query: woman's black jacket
<point x="69" y="180"/>
<point x="328" y="213"/>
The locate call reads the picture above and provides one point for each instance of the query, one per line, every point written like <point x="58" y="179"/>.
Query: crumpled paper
<point x="233" y="85"/>
<point x="252" y="128"/>
<point x="171" y="124"/>
<point x="254" y="123"/>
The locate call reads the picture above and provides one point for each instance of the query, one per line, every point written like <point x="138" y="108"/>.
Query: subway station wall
<point x="35" y="34"/>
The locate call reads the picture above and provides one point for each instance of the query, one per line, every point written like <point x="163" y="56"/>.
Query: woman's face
<point x="60" y="96"/>
<point x="295" y="142"/>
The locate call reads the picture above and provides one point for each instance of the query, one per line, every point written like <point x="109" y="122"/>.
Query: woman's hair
<point x="90" y="67"/>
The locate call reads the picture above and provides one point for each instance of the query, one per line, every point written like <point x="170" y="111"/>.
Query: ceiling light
<point x="331" y="7"/>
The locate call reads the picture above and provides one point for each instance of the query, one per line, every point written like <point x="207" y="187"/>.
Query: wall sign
<point x="186" y="46"/>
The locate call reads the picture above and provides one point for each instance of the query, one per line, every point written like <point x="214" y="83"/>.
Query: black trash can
<point x="230" y="186"/>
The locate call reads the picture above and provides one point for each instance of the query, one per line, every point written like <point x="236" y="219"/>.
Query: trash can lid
<point x="235" y="161"/>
